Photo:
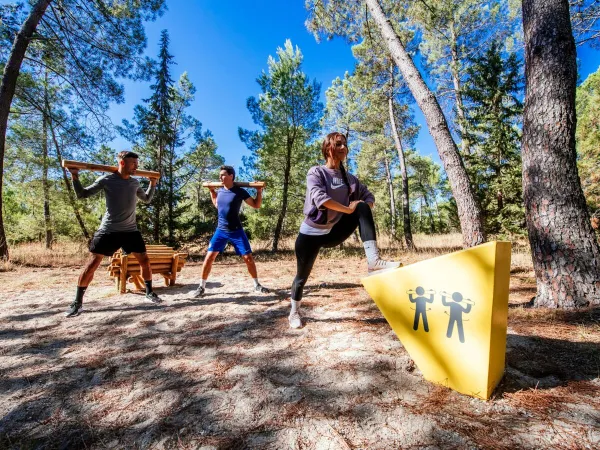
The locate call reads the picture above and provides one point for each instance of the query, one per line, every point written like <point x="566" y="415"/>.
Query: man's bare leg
<point x="85" y="278"/>
<point x="87" y="275"/>
<point x="147" y="276"/>
<point x="251" y="265"/>
<point x="206" y="268"/>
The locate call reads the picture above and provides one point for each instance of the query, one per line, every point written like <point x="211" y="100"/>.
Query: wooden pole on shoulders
<point x="217" y="184"/>
<point x="66" y="163"/>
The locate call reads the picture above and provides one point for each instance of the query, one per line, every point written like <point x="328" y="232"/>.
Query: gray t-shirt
<point x="121" y="195"/>
<point x="322" y="184"/>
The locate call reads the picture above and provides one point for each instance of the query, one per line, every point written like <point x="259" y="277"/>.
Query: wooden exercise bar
<point x="217" y="184"/>
<point x="66" y="163"/>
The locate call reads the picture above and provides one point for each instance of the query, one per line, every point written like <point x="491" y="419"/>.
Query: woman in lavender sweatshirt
<point x="336" y="203"/>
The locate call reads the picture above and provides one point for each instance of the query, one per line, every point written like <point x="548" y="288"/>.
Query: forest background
<point x="90" y="86"/>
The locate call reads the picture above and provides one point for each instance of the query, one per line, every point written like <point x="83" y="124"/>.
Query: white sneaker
<point x="260" y="289"/>
<point x="295" y="320"/>
<point x="382" y="264"/>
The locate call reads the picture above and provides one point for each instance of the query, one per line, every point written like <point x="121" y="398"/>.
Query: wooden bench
<point x="164" y="260"/>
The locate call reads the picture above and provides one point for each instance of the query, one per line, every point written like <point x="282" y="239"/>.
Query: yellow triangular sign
<point x="450" y="313"/>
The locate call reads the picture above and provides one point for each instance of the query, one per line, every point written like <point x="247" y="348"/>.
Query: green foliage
<point x="492" y="128"/>
<point x="588" y="139"/>
<point x="287" y="112"/>
<point x="160" y="131"/>
<point x="66" y="83"/>
<point x="200" y="163"/>
<point x="346" y="107"/>
<point x="451" y="37"/>
<point x="359" y="105"/>
<point x="432" y="209"/>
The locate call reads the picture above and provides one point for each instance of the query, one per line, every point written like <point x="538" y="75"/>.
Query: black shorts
<point x="107" y="243"/>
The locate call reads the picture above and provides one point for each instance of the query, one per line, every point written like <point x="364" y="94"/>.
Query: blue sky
<point x="224" y="46"/>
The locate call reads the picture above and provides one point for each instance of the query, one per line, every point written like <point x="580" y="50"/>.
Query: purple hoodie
<point x="323" y="184"/>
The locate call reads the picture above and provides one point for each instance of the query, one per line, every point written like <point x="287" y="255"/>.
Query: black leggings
<point x="308" y="246"/>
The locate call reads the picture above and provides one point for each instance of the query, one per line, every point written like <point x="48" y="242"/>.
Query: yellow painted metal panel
<point x="450" y="314"/>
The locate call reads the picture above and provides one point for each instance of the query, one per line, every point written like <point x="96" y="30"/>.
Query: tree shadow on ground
<point x="332" y="286"/>
<point x="543" y="363"/>
<point x="187" y="375"/>
<point x="441" y="249"/>
<point x="367" y="320"/>
<point x="26" y="317"/>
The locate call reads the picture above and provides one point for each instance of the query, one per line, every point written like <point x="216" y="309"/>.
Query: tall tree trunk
<point x="286" y="185"/>
<point x="68" y="189"/>
<point x="421" y="214"/>
<point x="499" y="193"/>
<point x="430" y="214"/>
<point x="469" y="211"/>
<point x="566" y="255"/>
<point x="390" y="182"/>
<point x="437" y="211"/>
<point x="158" y="200"/>
<point x="410" y="244"/>
<point x="171" y="218"/>
<point x="7" y="91"/>
<point x="460" y="110"/>
<point x="199" y="197"/>
<point x="45" y="185"/>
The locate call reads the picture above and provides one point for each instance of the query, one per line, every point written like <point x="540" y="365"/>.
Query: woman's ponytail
<point x="345" y="176"/>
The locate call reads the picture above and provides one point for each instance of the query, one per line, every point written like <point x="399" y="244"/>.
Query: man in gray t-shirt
<point x="118" y="228"/>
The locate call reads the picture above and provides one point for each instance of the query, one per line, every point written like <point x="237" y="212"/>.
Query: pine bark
<point x="7" y="91"/>
<point x="45" y="164"/>
<point x="408" y="237"/>
<point x="566" y="255"/>
<point x="45" y="184"/>
<point x="69" y="190"/>
<point x="469" y="211"/>
<point x="460" y="110"/>
<point x="390" y="182"/>
<point x="286" y="186"/>
<point x="158" y="197"/>
<point x="171" y="196"/>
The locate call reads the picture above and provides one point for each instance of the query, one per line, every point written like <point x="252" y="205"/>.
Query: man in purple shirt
<point x="228" y="201"/>
<point x="336" y="203"/>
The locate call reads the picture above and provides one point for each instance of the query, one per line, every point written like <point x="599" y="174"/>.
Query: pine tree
<point x="350" y="19"/>
<point x="454" y="32"/>
<point x="153" y="135"/>
<point x="588" y="140"/>
<point x="287" y="111"/>
<point x="564" y="248"/>
<point x="96" y="41"/>
<point x="201" y="163"/>
<point x="492" y="122"/>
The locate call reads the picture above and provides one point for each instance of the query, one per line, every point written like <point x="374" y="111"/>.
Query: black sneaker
<point x="199" y="292"/>
<point x="152" y="297"/>
<point x="261" y="289"/>
<point x="75" y="309"/>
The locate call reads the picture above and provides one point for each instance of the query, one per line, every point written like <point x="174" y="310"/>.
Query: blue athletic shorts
<point x="238" y="239"/>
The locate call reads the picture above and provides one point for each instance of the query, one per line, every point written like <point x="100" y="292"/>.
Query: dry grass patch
<point x="62" y="254"/>
<point x="545" y="401"/>
<point x="6" y="265"/>
<point x="572" y="325"/>
<point x="69" y="254"/>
